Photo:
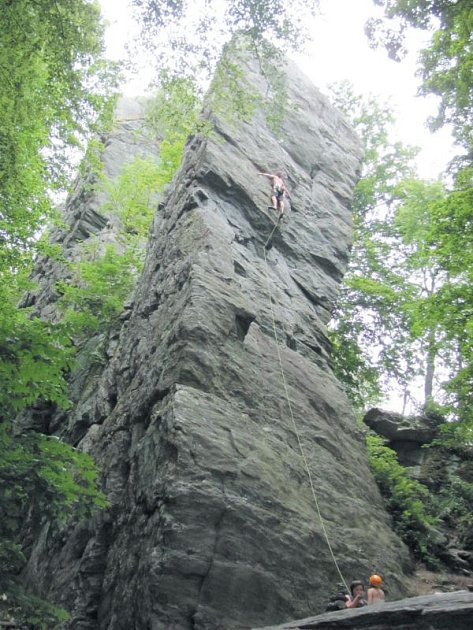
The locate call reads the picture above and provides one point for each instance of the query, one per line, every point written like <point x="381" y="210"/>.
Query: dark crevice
<point x="310" y="296"/>
<point x="242" y="324"/>
<point x="291" y="342"/>
<point x="158" y="395"/>
<point x="112" y="399"/>
<point x="200" y="195"/>
<point x="314" y="171"/>
<point x="317" y="349"/>
<point x="327" y="265"/>
<point x="239" y="269"/>
<point x="79" y="429"/>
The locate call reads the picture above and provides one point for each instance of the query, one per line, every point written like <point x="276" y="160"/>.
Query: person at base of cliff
<point x="375" y="592"/>
<point x="357" y="590"/>
<point x="278" y="191"/>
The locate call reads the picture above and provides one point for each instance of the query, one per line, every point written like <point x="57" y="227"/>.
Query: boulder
<point x="406" y="434"/>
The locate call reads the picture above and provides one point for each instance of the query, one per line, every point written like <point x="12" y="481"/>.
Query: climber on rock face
<point x="278" y="190"/>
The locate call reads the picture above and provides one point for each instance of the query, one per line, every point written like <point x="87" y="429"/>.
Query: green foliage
<point x="267" y="27"/>
<point x="446" y="64"/>
<point x="34" y="354"/>
<point x="232" y="95"/>
<point x="440" y="500"/>
<point x="172" y="116"/>
<point x="174" y="112"/>
<point x="166" y="24"/>
<point x="351" y="366"/>
<point x="93" y="298"/>
<point x="133" y="196"/>
<point x="29" y="610"/>
<point x="41" y="479"/>
<point x="443" y="246"/>
<point x="446" y="69"/>
<point x="406" y="301"/>
<point x="371" y="329"/>
<point x="100" y="282"/>
<point x="408" y="501"/>
<point x="53" y="87"/>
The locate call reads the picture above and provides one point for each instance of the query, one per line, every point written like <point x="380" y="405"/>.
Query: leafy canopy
<point x="370" y="328"/>
<point x="52" y="90"/>
<point x="54" y="86"/>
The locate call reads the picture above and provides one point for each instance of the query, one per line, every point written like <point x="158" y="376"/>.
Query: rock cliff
<point x="212" y="521"/>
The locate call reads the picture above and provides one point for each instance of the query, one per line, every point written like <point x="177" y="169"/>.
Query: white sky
<point x="339" y="51"/>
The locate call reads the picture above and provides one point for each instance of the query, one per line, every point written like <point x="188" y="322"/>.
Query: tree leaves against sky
<point x="187" y="37"/>
<point x="446" y="71"/>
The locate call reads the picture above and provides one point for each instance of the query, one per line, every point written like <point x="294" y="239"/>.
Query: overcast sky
<point x="339" y="51"/>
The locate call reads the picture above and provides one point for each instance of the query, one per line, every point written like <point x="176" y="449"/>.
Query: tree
<point x="371" y="328"/>
<point x="166" y="23"/>
<point x="446" y="64"/>
<point x="413" y="221"/>
<point x="446" y="70"/>
<point x="186" y="40"/>
<point x="452" y="231"/>
<point x="54" y="87"/>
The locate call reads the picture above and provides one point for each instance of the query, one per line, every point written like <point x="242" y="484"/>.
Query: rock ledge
<point x="439" y="611"/>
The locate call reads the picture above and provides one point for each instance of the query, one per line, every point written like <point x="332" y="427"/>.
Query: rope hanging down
<point x="272" y="232"/>
<point x="301" y="449"/>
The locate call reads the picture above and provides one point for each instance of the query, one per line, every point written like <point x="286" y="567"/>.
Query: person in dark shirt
<point x="357" y="599"/>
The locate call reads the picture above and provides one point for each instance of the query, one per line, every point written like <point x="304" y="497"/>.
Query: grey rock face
<point x="441" y="611"/>
<point x="406" y="435"/>
<point x="212" y="521"/>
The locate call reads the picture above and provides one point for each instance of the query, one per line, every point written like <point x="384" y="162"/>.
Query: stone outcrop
<point x="406" y="435"/>
<point x="438" y="469"/>
<point x="440" y="611"/>
<point x="212" y="521"/>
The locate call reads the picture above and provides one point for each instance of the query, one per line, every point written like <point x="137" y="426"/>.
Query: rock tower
<point x="212" y="523"/>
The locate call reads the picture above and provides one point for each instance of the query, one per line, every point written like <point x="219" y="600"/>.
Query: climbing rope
<point x="272" y="232"/>
<point x="296" y="431"/>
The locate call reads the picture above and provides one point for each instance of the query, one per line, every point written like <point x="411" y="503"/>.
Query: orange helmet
<point x="375" y="580"/>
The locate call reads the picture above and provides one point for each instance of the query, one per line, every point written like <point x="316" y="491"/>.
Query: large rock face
<point x="212" y="521"/>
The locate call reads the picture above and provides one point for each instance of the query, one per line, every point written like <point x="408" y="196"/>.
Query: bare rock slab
<point x="440" y="611"/>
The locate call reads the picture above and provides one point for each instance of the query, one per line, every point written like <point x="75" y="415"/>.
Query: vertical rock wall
<point x="212" y="522"/>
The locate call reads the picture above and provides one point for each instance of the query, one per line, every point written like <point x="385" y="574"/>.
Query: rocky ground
<point x="424" y="582"/>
